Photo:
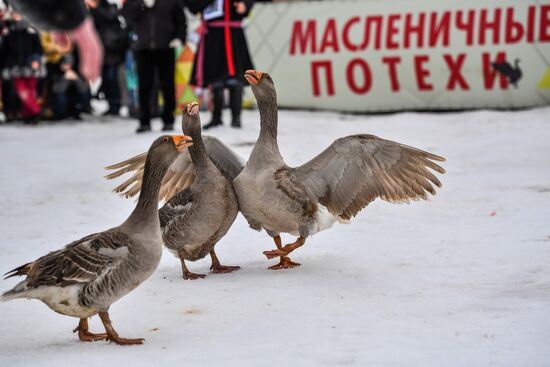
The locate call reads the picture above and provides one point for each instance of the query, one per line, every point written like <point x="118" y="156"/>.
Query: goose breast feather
<point x="195" y="219"/>
<point x="355" y="170"/>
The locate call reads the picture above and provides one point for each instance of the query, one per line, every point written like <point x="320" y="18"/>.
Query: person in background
<point x="70" y="91"/>
<point x="53" y="53"/>
<point x="115" y="39"/>
<point x="10" y="102"/>
<point x="160" y="26"/>
<point x="22" y="63"/>
<point x="131" y="84"/>
<point x="220" y="61"/>
<point x="70" y="21"/>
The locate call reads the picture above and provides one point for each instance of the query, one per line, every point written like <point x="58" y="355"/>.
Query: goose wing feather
<point x="82" y="261"/>
<point x="224" y="158"/>
<point x="180" y="174"/>
<point x="178" y="205"/>
<point x="355" y="170"/>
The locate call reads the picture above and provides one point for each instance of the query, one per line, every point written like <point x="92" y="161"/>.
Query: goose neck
<point x="146" y="211"/>
<point x="268" y="123"/>
<point x="198" y="151"/>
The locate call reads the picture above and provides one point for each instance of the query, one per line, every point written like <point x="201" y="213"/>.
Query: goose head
<point x="190" y="122"/>
<point x="262" y="85"/>
<point x="166" y="148"/>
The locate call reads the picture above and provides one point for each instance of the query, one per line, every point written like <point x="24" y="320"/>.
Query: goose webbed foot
<point x="113" y="336"/>
<point x="285" y="263"/>
<point x="275" y="253"/>
<point x="218" y="268"/>
<point x="85" y="336"/>
<point x="187" y="275"/>
<point x="282" y="252"/>
<point x="222" y="269"/>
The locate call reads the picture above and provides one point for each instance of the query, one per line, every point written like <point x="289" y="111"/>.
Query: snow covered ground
<point x="460" y="280"/>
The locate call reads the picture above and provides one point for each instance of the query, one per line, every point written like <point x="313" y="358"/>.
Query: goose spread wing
<point x="355" y="170"/>
<point x="82" y="261"/>
<point x="180" y="174"/>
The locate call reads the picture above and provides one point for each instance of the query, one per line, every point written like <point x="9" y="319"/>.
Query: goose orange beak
<point x="193" y="108"/>
<point x="253" y="76"/>
<point x="182" y="142"/>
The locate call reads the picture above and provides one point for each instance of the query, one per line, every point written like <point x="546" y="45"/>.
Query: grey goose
<point x="333" y="186"/>
<point x="200" y="203"/>
<point x="85" y="277"/>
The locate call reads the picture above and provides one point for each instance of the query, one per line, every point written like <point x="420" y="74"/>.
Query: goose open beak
<point x="253" y="76"/>
<point x="192" y="108"/>
<point x="182" y="142"/>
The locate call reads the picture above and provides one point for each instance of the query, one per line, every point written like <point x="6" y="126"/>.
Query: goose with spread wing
<point x="334" y="186"/>
<point x="87" y="276"/>
<point x="200" y="203"/>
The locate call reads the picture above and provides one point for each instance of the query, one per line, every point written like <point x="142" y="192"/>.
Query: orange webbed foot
<point x="275" y="253"/>
<point x="285" y="263"/>
<point x="85" y="336"/>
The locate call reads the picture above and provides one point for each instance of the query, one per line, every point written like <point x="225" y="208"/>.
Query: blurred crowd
<point x="42" y="79"/>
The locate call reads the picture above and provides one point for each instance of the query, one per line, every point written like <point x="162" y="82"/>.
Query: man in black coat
<point x="160" y="26"/>
<point x="222" y="56"/>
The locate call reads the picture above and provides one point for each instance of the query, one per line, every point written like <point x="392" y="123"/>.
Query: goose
<point x="88" y="275"/>
<point x="196" y="218"/>
<point x="332" y="187"/>
<point x="200" y="203"/>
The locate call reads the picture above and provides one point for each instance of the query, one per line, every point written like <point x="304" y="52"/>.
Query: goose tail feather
<point x="19" y="291"/>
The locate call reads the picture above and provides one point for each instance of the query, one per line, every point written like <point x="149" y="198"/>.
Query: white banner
<point x="401" y="54"/>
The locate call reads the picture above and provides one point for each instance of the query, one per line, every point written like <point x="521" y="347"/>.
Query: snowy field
<point x="460" y="280"/>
